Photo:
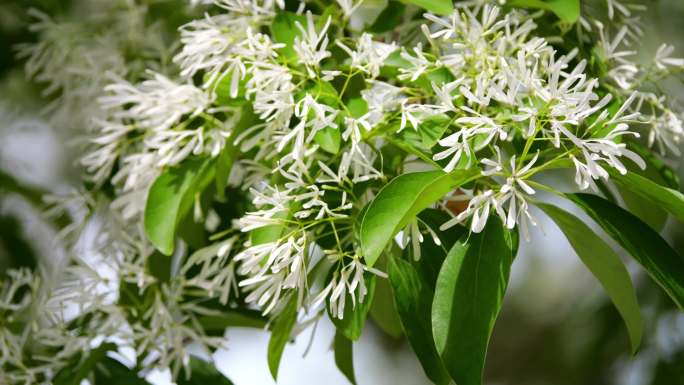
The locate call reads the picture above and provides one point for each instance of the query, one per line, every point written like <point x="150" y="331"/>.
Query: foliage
<point x="299" y="160"/>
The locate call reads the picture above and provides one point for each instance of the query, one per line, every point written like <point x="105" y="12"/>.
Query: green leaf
<point x="170" y="198"/>
<point x="440" y="7"/>
<point x="354" y="317"/>
<point x="389" y="18"/>
<point x="203" y="373"/>
<point x="112" y="372"/>
<point x="230" y="152"/>
<point x="566" y="10"/>
<point x="413" y="300"/>
<point x="344" y="356"/>
<point x="329" y="139"/>
<point x="662" y="263"/>
<point x="468" y="296"/>
<point x="400" y="201"/>
<point x="72" y="375"/>
<point x="382" y="310"/>
<point x="663" y="197"/>
<point x="232" y="318"/>
<point x="606" y="266"/>
<point x="284" y="30"/>
<point x="280" y="335"/>
<point x="270" y="233"/>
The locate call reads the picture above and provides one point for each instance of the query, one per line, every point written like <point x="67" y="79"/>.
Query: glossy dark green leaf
<point x="344" y="356"/>
<point x="665" y="198"/>
<point x="202" y="373"/>
<point x="400" y="201"/>
<point x="354" y="317"/>
<point x="566" y="10"/>
<point x="413" y="300"/>
<point x="280" y="335"/>
<point x="389" y="18"/>
<point x="606" y="266"/>
<point x="468" y="296"/>
<point x="171" y="197"/>
<point x="440" y="7"/>
<point x="662" y="263"/>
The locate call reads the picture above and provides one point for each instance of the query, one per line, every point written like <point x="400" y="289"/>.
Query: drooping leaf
<point x="606" y="267"/>
<point x="662" y="263"/>
<point x="413" y="300"/>
<point x="280" y="335"/>
<point x="400" y="201"/>
<point x="344" y="356"/>
<point x="382" y="310"/>
<point x="440" y="7"/>
<point x="354" y="317"/>
<point x="566" y="10"/>
<point x="468" y="296"/>
<point x="171" y="197"/>
<point x="202" y="373"/>
<point x="663" y="197"/>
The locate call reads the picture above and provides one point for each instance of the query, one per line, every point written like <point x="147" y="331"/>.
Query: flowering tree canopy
<point x="289" y="161"/>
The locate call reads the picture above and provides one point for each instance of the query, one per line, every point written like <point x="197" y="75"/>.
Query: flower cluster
<point x="302" y="119"/>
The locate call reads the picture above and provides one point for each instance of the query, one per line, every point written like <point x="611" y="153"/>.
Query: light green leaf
<point x="344" y="356"/>
<point x="663" y="197"/>
<point x="170" y="198"/>
<point x="606" y="267"/>
<point x="202" y="373"/>
<point x="280" y="335"/>
<point x="468" y="296"/>
<point x="329" y="139"/>
<point x="566" y="10"/>
<point x="662" y="263"/>
<point x="440" y="7"/>
<point x="400" y="201"/>
<point x="354" y="317"/>
<point x="284" y="30"/>
<point x="413" y="300"/>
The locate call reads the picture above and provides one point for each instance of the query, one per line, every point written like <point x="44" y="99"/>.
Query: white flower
<point x="311" y="47"/>
<point x="369" y="55"/>
<point x="348" y="280"/>
<point x="155" y="104"/>
<point x="663" y="60"/>
<point x="419" y="64"/>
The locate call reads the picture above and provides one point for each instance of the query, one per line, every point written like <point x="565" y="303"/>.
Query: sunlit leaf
<point x="400" y="201"/>
<point x="171" y="197"/>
